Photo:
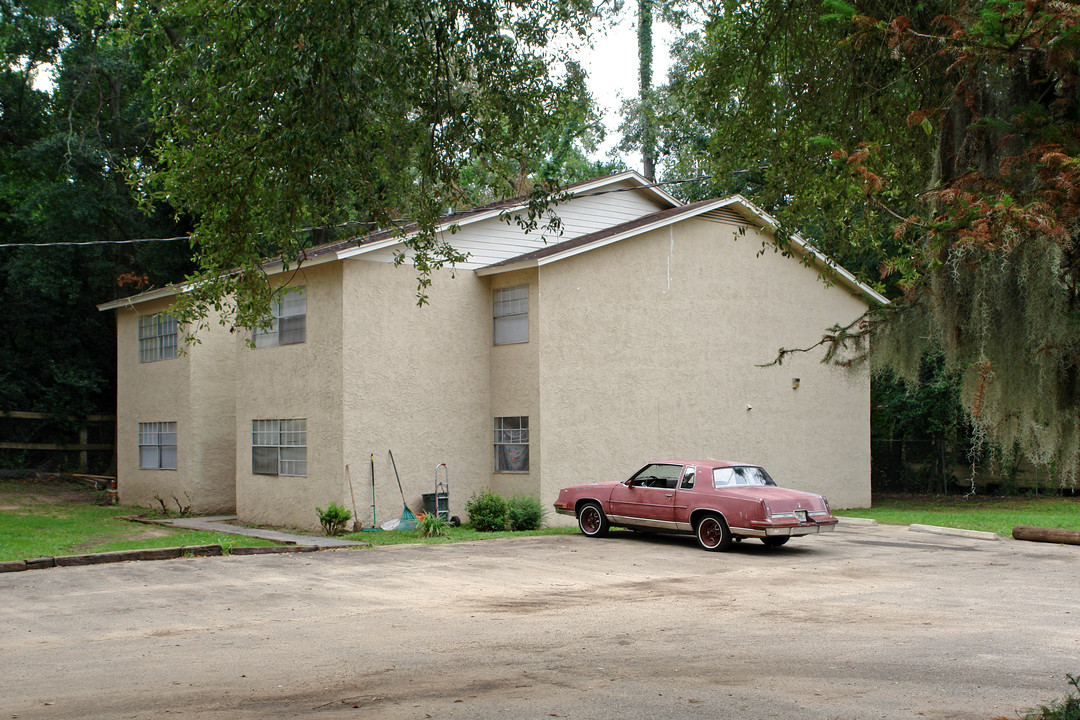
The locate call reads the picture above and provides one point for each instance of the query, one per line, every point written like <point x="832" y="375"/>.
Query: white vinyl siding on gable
<point x="157" y="337"/>
<point x="157" y="446"/>
<point x="493" y="240"/>
<point x="288" y="325"/>
<point x="511" y="315"/>
<point x="279" y="447"/>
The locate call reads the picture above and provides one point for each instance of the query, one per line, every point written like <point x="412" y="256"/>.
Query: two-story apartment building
<point x="539" y="362"/>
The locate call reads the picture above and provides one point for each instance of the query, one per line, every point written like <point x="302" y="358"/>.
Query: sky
<point x="612" y="65"/>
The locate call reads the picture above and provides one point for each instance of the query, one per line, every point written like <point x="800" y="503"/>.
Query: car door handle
<point x="669" y="495"/>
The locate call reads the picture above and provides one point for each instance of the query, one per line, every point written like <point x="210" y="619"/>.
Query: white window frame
<point x="510" y="315"/>
<point x="279" y="447"/>
<point x="288" y="320"/>
<point x="157" y="337"/>
<point x="511" y="443"/>
<point x="157" y="446"/>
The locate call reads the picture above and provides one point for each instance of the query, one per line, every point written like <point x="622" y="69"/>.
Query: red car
<point x="716" y="501"/>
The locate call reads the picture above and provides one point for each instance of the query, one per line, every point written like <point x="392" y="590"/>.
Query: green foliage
<point x="525" y="512"/>
<point x="334" y="518"/>
<point x="488" y="511"/>
<point x="61" y="151"/>
<point x="432" y="525"/>
<point x="277" y="116"/>
<point x="1068" y="708"/>
<point x="932" y="149"/>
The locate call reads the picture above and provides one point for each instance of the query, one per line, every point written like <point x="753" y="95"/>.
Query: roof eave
<point x="844" y="276"/>
<point x="148" y="296"/>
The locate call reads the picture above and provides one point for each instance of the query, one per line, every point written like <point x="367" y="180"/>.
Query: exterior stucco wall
<point x="515" y="388"/>
<point x="415" y="382"/>
<point x="649" y="347"/>
<point x="291" y="382"/>
<point x="195" y="391"/>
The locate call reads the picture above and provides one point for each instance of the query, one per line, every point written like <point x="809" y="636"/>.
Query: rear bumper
<point x="784" y="530"/>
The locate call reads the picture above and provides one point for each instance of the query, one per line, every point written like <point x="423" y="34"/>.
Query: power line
<point x="353" y="223"/>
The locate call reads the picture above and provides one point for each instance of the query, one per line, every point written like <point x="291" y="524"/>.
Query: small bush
<point x="487" y="511"/>
<point x="432" y="525"/>
<point x="525" y="513"/>
<point x="1067" y="708"/>
<point x="334" y="518"/>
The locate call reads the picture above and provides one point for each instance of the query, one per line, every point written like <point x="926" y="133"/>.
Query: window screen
<point x="511" y="315"/>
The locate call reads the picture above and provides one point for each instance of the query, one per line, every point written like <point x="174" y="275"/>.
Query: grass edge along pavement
<point x="998" y="515"/>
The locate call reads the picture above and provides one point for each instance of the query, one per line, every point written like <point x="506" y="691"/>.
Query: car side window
<point x="688" y="477"/>
<point x="722" y="477"/>
<point x="657" y="475"/>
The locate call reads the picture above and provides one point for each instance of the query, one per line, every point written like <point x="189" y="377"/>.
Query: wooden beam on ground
<point x="1041" y="534"/>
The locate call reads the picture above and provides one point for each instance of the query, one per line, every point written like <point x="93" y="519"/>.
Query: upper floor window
<point x="512" y="315"/>
<point x="279" y="447"/>
<point x="157" y="337"/>
<point x="288" y="325"/>
<point x="157" y="445"/>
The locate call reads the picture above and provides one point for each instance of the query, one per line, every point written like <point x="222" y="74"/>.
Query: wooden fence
<point x="82" y="445"/>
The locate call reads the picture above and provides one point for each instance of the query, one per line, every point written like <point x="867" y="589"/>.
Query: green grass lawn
<point x="42" y="520"/>
<point x="992" y="514"/>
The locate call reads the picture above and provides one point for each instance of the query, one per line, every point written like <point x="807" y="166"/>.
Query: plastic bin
<point x="429" y="503"/>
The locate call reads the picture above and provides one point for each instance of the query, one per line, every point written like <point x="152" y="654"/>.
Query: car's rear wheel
<point x="592" y="521"/>
<point x="712" y="533"/>
<point x="775" y="541"/>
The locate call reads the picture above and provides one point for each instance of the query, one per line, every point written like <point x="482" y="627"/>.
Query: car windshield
<point x="741" y="475"/>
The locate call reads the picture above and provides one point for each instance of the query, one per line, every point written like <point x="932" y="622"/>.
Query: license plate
<point x="800" y="515"/>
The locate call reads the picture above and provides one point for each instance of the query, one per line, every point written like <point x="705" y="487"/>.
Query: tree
<point x="279" y="116"/>
<point x="935" y="144"/>
<point x="61" y="181"/>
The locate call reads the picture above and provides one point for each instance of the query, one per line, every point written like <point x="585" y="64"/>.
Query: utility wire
<point x="353" y="223"/>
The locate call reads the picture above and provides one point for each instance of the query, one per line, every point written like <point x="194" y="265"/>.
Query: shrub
<point x="432" y="525"/>
<point x="334" y="518"/>
<point x="1067" y="708"/>
<point x="487" y="511"/>
<point x="525" y="512"/>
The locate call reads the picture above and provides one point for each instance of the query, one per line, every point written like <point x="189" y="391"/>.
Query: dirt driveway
<point x="865" y="623"/>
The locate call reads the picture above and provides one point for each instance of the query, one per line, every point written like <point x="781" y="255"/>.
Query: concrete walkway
<point x="221" y="524"/>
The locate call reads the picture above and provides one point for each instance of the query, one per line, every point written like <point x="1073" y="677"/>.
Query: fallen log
<point x="1041" y="534"/>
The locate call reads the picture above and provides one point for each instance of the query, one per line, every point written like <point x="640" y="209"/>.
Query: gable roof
<point x="456" y="220"/>
<point x="630" y="180"/>
<point x="342" y="249"/>
<point x="744" y="208"/>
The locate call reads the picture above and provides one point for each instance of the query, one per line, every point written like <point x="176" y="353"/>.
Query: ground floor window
<point x="157" y="445"/>
<point x="279" y="447"/>
<point x="512" y="444"/>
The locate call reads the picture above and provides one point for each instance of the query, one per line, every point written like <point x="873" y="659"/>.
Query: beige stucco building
<point x="635" y="334"/>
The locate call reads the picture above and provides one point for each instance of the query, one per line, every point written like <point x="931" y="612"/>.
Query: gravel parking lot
<point x="868" y="622"/>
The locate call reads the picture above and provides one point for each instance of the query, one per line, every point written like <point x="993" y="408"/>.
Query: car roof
<point x="706" y="463"/>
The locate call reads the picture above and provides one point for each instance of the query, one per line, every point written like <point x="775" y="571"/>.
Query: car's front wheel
<point x="712" y="533"/>
<point x="592" y="521"/>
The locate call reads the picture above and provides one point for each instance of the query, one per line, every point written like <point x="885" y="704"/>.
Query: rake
<point x="407" y="521"/>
